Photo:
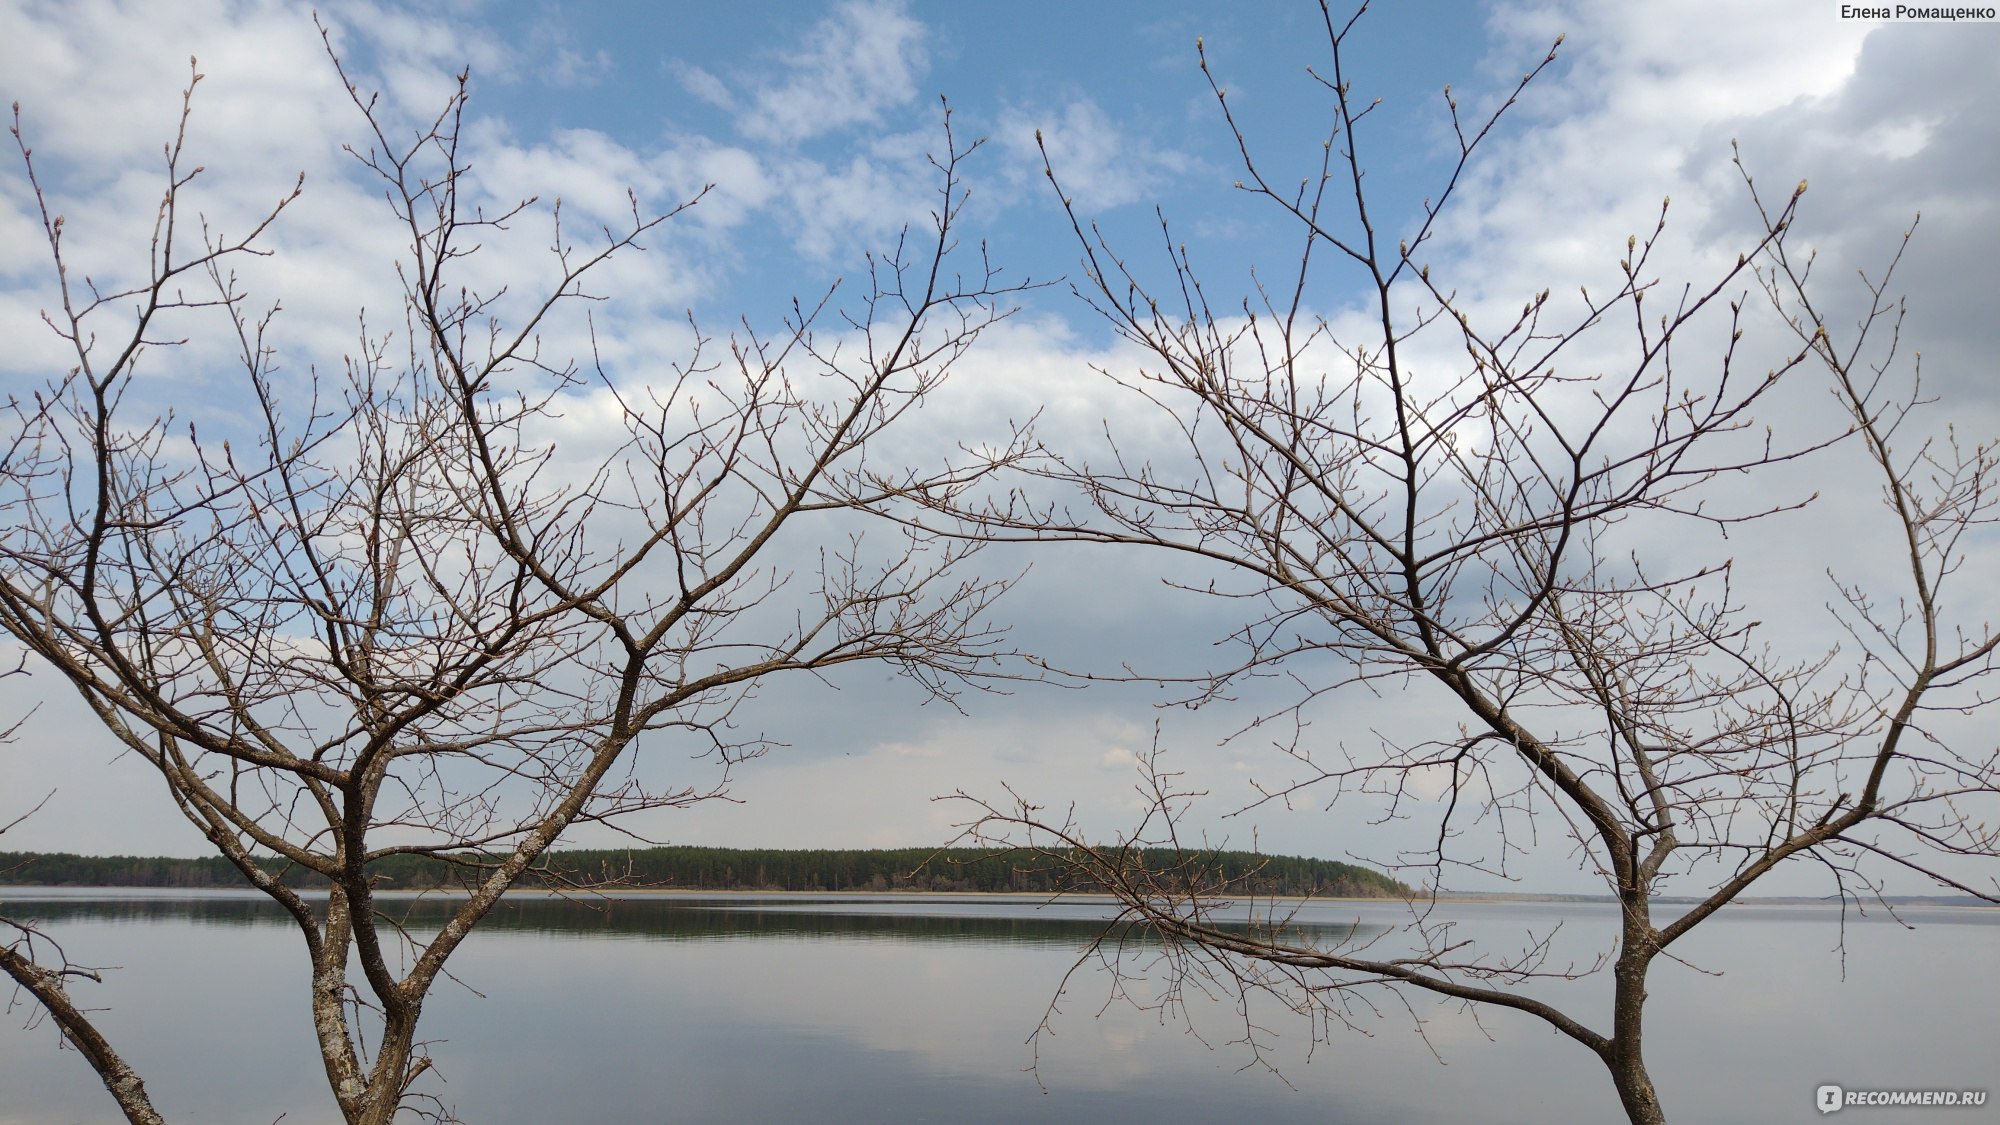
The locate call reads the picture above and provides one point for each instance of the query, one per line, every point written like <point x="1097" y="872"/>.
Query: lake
<point x="677" y="1008"/>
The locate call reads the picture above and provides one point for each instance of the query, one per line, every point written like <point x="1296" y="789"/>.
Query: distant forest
<point x="732" y="869"/>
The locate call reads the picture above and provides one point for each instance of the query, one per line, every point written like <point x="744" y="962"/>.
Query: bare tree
<point x="388" y="616"/>
<point x="1479" y="529"/>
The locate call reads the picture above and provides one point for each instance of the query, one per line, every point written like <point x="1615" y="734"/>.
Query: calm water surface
<point x="671" y="1008"/>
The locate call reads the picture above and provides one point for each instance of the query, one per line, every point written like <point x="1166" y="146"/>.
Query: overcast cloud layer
<point x="814" y="125"/>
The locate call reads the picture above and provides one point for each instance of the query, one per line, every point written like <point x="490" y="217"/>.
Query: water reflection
<point x="1030" y="921"/>
<point x="671" y="1008"/>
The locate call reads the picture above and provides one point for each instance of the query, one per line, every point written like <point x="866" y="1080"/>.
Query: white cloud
<point x="839" y="212"/>
<point x="704" y="85"/>
<point x="419" y="52"/>
<point x="1098" y="164"/>
<point x="571" y="67"/>
<point x="845" y="72"/>
<point x="1118" y="758"/>
<point x="550" y="48"/>
<point x="851" y="66"/>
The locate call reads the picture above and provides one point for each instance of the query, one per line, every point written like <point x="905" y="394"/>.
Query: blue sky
<point x="802" y="109"/>
<point x="813" y="122"/>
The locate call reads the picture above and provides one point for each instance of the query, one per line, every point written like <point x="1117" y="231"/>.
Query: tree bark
<point x="391" y="1074"/>
<point x="1624" y="1054"/>
<point x="124" y="1083"/>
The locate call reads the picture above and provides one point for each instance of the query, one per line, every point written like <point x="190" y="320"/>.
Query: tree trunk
<point x="1635" y="1086"/>
<point x="1625" y="1055"/>
<point x="391" y="1074"/>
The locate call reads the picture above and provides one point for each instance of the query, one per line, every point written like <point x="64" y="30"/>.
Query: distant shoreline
<point x="30" y="890"/>
<point x="693" y="868"/>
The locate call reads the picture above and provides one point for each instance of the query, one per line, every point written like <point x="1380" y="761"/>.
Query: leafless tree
<point x="1474" y="534"/>
<point x="386" y="615"/>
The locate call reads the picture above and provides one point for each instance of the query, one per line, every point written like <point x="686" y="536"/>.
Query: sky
<point x="814" y="121"/>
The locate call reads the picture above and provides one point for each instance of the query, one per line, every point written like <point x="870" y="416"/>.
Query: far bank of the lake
<point x="850" y="870"/>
